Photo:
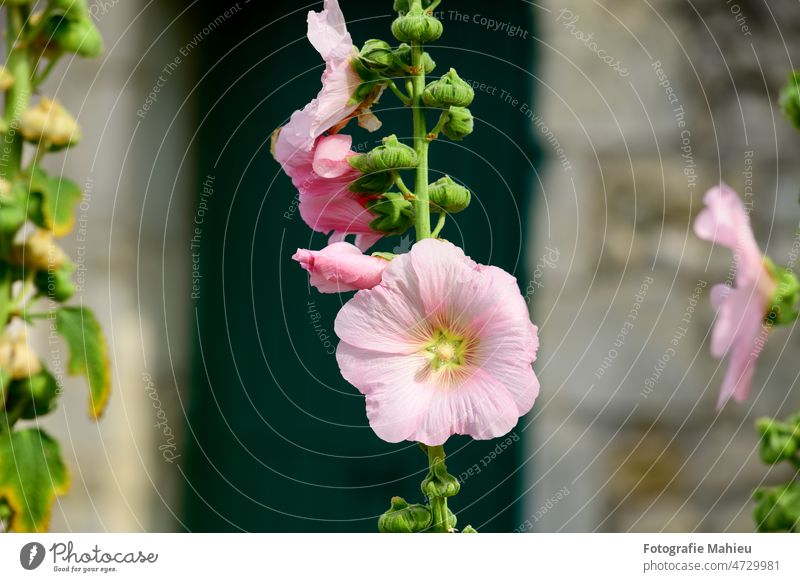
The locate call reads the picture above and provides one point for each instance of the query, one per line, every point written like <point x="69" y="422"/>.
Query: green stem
<point x="42" y="75"/>
<point x="423" y="221"/>
<point x="403" y="188"/>
<point x="400" y="95"/>
<point x="443" y="118"/>
<point x="438" y="504"/>
<point x="439" y="224"/>
<point x="18" y="96"/>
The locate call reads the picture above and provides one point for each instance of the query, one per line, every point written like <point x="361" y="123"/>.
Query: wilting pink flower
<point x="740" y="328"/>
<point x="442" y="346"/>
<point x="322" y="176"/>
<point x="341" y="267"/>
<point x="335" y="105"/>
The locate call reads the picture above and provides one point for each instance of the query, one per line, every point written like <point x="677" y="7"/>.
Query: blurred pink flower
<point x="740" y="328"/>
<point x="341" y="267"/>
<point x="442" y="346"/>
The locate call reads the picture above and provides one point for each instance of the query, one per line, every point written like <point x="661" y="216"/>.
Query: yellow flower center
<point x="448" y="351"/>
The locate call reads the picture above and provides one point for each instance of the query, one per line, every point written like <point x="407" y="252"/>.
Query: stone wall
<point x="652" y="103"/>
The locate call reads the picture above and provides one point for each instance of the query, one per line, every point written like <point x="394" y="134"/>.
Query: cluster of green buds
<point x="36" y="275"/>
<point x="433" y="516"/>
<point x="65" y="26"/>
<point x="379" y="64"/>
<point x="778" y="508"/>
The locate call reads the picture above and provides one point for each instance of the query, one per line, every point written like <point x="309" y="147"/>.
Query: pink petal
<point x="381" y="319"/>
<point x="508" y="357"/>
<point x="750" y="338"/>
<point x="341" y="267"/>
<point x="327" y="32"/>
<point x="330" y="156"/>
<point x="481" y="408"/>
<point x="725" y="221"/>
<point x="396" y="400"/>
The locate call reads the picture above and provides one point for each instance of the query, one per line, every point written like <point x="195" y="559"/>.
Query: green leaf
<point x="56" y="198"/>
<point x="88" y="354"/>
<point x="32" y="475"/>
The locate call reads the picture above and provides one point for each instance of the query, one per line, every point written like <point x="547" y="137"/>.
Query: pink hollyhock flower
<point x="442" y="346"/>
<point x="740" y="329"/>
<point x="335" y="105"/>
<point x="322" y="176"/>
<point x="341" y="267"/>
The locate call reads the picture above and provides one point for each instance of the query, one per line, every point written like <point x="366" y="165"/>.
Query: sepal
<point x="459" y="123"/>
<point x="394" y="213"/>
<point x="447" y="195"/>
<point x="404" y="518"/>
<point x="416" y="25"/>
<point x="449" y="90"/>
<point x="439" y="483"/>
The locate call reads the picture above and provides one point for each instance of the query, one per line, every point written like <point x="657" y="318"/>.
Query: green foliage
<point x="789" y="99"/>
<point x="778" y="508"/>
<point x="52" y="202"/>
<point x="88" y="354"/>
<point x="32" y="475"/>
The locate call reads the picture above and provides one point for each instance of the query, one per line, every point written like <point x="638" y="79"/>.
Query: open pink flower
<point x="442" y="346"/>
<point x="341" y="267"/>
<point x="740" y="328"/>
<point x="322" y="176"/>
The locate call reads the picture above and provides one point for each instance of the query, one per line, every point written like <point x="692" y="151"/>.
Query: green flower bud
<point x="375" y="183"/>
<point x="459" y="125"/>
<point x="65" y="32"/>
<point x="778" y="508"/>
<point x="40" y="391"/>
<point x="789" y="99"/>
<point x="394" y="213"/>
<point x="416" y="25"/>
<point x="448" y="90"/>
<point x="438" y="482"/>
<point x="6" y="79"/>
<point x="404" y="518"/>
<point x="787" y="294"/>
<point x="404" y="5"/>
<point x="392" y="155"/>
<point x="446" y="195"/>
<point x="469" y="529"/>
<point x="779" y="441"/>
<point x="377" y="55"/>
<point x="56" y="284"/>
<point x="402" y="61"/>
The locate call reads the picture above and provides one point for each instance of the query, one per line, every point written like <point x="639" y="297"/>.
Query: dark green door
<point x="278" y="441"/>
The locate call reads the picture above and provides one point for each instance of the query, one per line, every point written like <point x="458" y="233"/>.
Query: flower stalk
<point x="423" y="220"/>
<point x="438" y="504"/>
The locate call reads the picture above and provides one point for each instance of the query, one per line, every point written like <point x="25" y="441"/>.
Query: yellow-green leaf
<point x="57" y="198"/>
<point x="32" y="475"/>
<point x="58" y="205"/>
<point x="88" y="354"/>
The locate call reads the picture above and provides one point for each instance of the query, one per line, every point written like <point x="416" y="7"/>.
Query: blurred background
<point x="599" y="125"/>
